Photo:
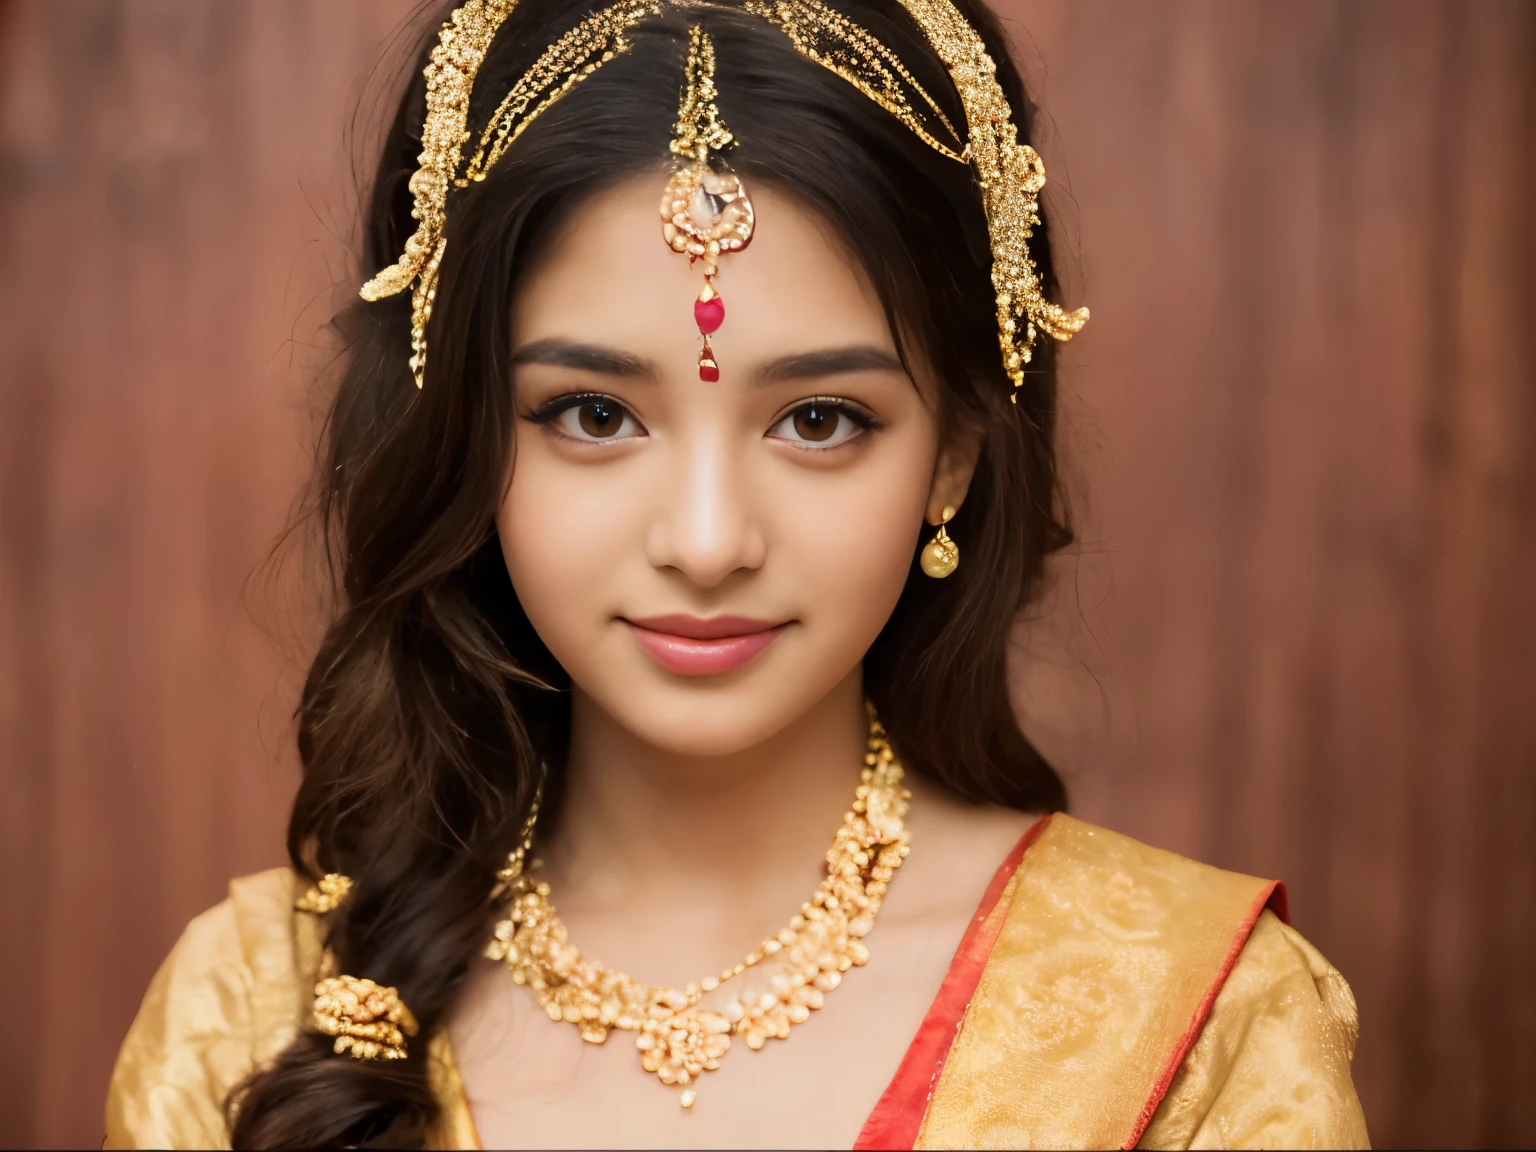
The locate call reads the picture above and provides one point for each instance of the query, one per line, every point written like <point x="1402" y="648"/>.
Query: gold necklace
<point x="679" y="1036"/>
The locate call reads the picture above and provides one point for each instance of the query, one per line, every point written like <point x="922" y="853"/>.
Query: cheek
<point x="847" y="543"/>
<point x="564" y="534"/>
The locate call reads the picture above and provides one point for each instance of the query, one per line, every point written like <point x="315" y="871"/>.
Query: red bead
<point x="709" y="314"/>
<point x="709" y="371"/>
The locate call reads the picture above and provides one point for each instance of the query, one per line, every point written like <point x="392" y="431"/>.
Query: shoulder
<point x="1271" y="1066"/>
<point x="1124" y="991"/>
<point x="1149" y="887"/>
<point x="1154" y="888"/>
<point x="1259" y="1027"/>
<point x="226" y="998"/>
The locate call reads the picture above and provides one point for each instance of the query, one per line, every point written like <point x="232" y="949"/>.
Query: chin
<point x="716" y="715"/>
<point x="705" y="719"/>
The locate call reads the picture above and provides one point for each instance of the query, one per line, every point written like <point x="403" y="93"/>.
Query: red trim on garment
<point x="1280" y="903"/>
<point x="1273" y="895"/>
<point x="898" y="1117"/>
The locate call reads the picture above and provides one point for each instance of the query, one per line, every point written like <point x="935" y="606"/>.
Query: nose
<point x="704" y="527"/>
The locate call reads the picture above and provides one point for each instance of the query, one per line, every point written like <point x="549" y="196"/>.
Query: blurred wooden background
<point x="1299" y="637"/>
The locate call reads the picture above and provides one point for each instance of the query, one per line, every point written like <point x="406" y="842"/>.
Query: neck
<point x="643" y="824"/>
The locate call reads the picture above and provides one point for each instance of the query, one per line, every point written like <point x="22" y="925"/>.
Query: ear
<point x="953" y="471"/>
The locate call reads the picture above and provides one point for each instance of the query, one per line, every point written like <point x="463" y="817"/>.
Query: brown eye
<point x="589" y="419"/>
<point x="600" y="419"/>
<point x="823" y="424"/>
<point x="815" y="422"/>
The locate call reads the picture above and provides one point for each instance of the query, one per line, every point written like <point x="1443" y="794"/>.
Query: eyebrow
<point x="585" y="357"/>
<point x="799" y="366"/>
<point x="829" y="362"/>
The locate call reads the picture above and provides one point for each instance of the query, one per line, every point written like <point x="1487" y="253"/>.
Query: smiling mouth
<point x="695" y="646"/>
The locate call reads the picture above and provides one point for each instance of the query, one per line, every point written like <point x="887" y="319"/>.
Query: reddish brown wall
<point x="1308" y="418"/>
<point x="1298" y="638"/>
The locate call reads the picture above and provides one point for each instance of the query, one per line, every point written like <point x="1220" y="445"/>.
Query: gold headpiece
<point x="1010" y="175"/>
<point x="450" y="73"/>
<point x="368" y="1020"/>
<point x="827" y="37"/>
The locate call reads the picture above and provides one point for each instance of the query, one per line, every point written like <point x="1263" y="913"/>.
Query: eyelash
<point x="861" y="417"/>
<point x="552" y="408"/>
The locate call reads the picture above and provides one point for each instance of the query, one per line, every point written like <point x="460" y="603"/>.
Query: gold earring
<point x="942" y="555"/>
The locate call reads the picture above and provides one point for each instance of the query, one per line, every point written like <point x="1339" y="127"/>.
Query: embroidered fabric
<point x="1107" y="994"/>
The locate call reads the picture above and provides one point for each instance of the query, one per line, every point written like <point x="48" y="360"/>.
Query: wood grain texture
<point x="175" y="206"/>
<point x="1306" y="416"/>
<point x="1297" y="638"/>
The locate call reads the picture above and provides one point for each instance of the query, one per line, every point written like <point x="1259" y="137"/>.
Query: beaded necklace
<point x="684" y="1032"/>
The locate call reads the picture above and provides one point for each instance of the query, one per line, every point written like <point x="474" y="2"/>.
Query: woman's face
<point x="708" y="560"/>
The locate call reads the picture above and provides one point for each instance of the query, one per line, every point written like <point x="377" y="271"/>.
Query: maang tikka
<point x="705" y="210"/>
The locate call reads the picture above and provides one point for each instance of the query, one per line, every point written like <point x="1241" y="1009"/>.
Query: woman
<point x="627" y="513"/>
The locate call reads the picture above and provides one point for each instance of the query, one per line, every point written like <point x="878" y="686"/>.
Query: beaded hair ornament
<point x="706" y="212"/>
<point x="366" y="1020"/>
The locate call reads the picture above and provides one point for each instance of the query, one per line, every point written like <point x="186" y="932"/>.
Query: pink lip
<point x="694" y="646"/>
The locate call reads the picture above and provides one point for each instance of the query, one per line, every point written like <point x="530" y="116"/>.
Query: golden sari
<point x="1106" y="995"/>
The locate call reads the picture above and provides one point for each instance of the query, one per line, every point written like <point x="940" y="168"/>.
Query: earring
<point x="942" y="555"/>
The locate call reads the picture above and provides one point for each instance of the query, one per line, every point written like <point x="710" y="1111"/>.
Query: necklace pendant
<point x="677" y="1045"/>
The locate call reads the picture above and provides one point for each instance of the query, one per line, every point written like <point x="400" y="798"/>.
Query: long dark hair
<point x="432" y="703"/>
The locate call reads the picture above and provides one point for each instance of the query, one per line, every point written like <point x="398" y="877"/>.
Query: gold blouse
<point x="1102" y="958"/>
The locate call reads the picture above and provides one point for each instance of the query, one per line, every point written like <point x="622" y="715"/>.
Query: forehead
<point x="608" y="275"/>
